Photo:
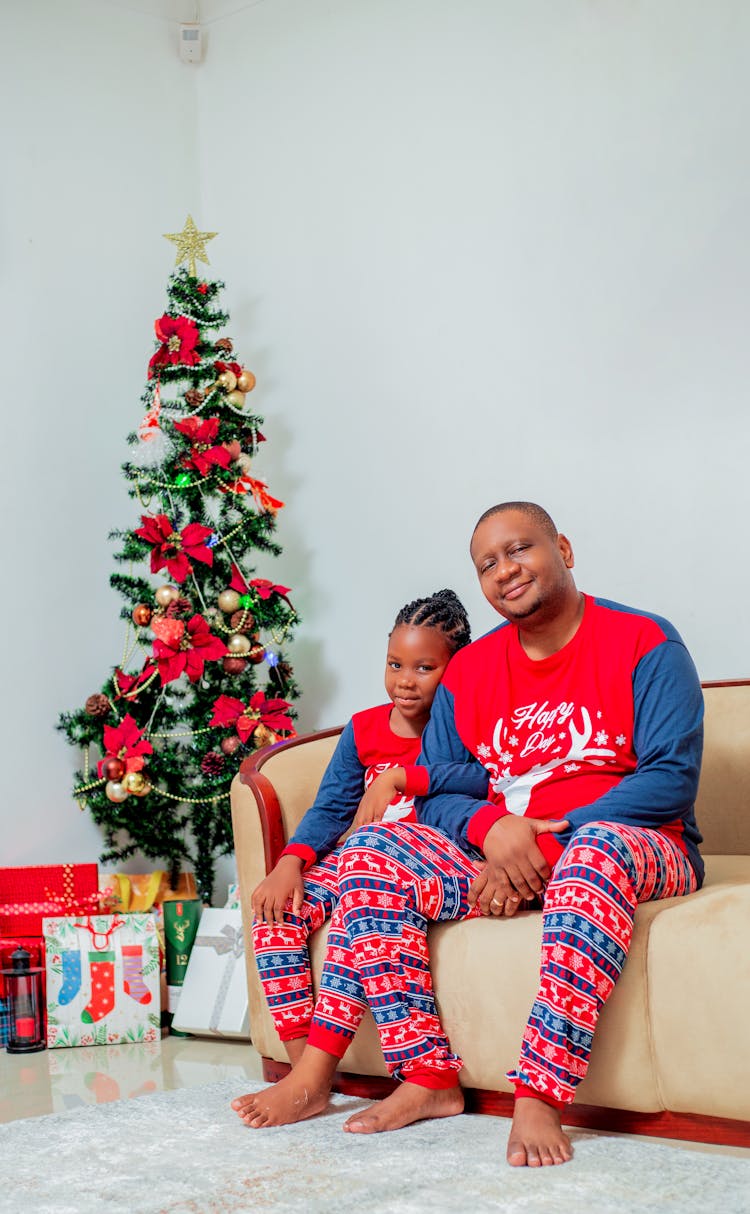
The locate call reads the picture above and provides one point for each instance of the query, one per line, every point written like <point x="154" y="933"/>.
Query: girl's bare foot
<point x="295" y="1049"/>
<point x="407" y="1104"/>
<point x="536" y="1136"/>
<point x="303" y="1093"/>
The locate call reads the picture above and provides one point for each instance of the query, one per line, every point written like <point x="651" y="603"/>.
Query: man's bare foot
<point x="303" y="1093"/>
<point x="536" y="1136"/>
<point x="407" y="1104"/>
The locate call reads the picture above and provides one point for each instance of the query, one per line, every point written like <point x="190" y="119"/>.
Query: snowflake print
<point x="506" y="756"/>
<point x="572" y="767"/>
<point x="601" y="738"/>
<point x="513" y="740"/>
<point x="483" y="750"/>
<point x="599" y="716"/>
<point x="620" y="740"/>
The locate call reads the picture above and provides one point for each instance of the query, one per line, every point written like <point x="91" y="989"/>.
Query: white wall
<point x="472" y="251"/>
<point x="97" y="160"/>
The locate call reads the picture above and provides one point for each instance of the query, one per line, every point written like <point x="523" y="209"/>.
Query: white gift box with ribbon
<point x="213" y="998"/>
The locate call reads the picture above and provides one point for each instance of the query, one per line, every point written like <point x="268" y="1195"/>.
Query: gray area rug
<point x="186" y="1152"/>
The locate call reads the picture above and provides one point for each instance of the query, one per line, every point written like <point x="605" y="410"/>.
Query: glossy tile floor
<point x="54" y="1081"/>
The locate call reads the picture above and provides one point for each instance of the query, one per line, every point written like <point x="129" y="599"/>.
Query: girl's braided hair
<point x="443" y="610"/>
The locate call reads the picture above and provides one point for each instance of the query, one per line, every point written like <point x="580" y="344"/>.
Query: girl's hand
<point x="270" y="898"/>
<point x="379" y="795"/>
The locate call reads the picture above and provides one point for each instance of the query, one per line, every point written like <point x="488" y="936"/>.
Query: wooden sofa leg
<point x="688" y="1127"/>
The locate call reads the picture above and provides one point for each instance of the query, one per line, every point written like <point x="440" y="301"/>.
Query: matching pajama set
<point x="605" y="734"/>
<point x="367" y="747"/>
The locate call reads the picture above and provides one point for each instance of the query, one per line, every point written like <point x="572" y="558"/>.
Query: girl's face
<point x="417" y="658"/>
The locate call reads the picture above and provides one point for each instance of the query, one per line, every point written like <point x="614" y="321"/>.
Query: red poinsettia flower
<point x="179" y="650"/>
<point x="179" y="337"/>
<point x="235" y="368"/>
<point x="205" y="451"/>
<point x="247" y="717"/>
<point x="124" y="741"/>
<point x="171" y="548"/>
<point x="261" y="585"/>
<point x="129" y="686"/>
<point x="203" y="287"/>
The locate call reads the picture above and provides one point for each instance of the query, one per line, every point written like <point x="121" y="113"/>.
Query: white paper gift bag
<point x="102" y="979"/>
<point x="213" y="998"/>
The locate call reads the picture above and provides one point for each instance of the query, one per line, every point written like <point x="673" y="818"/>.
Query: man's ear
<point x="566" y="549"/>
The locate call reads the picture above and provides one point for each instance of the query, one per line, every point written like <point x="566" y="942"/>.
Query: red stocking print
<point x="132" y="973"/>
<point x="102" y="999"/>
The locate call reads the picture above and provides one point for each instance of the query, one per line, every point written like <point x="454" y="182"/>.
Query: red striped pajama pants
<point x="396" y="879"/>
<point x="282" y="955"/>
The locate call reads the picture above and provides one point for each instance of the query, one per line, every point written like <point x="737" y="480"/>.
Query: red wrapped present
<point x="28" y="894"/>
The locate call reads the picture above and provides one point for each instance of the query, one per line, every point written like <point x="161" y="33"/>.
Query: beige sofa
<point x="671" y="1054"/>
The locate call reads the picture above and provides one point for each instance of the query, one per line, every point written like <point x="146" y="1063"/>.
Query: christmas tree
<point x="203" y="679"/>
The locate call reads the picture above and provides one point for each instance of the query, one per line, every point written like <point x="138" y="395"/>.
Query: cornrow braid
<point x="443" y="610"/>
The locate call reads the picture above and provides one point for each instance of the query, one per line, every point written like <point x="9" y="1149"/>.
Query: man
<point x="562" y="757"/>
<point x="561" y="760"/>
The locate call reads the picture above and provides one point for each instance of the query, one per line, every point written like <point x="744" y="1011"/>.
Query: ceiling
<point x="179" y="11"/>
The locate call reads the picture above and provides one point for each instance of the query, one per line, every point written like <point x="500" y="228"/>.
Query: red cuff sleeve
<point x="550" y="847"/>
<point x="483" y="819"/>
<point x="417" y="781"/>
<point x="302" y="852"/>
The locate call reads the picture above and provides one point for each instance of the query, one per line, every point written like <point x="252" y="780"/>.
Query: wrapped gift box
<point x="102" y="980"/>
<point x="28" y="894"/>
<point x="213" y="999"/>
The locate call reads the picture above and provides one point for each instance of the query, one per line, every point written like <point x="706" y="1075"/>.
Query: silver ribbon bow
<point x="231" y="943"/>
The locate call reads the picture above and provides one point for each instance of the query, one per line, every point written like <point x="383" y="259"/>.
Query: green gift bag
<point x="181" y="919"/>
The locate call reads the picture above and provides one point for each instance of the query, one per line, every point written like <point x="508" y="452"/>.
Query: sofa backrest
<point x="723" y="804"/>
<point x="722" y="808"/>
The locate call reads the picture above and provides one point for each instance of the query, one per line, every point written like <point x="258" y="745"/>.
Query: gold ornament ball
<point x="135" y="781"/>
<point x="244" y="463"/>
<point x="233" y="665"/>
<point x="228" y="380"/>
<point x="116" y="791"/>
<point x="229" y="600"/>
<point x="144" y="790"/>
<point x="230" y="745"/>
<point x="238" y="645"/>
<point x="264" y="736"/>
<point x="142" y="615"/>
<point x="245" y="380"/>
<point x="165" y="594"/>
<point x="237" y="399"/>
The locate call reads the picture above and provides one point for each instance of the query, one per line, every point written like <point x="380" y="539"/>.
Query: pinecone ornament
<point x="212" y="763"/>
<point x="224" y="344"/>
<point x="242" y="621"/>
<point x="97" y="705"/>
<point x="179" y="606"/>
<point x="194" y="397"/>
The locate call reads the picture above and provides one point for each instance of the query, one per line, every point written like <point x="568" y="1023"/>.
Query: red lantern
<point x="23" y="987"/>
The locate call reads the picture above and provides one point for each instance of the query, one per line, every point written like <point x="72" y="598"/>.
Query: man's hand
<point x="516" y="870"/>
<point x="379" y="795"/>
<point x="270" y="898"/>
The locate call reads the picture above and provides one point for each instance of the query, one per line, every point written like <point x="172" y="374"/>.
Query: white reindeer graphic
<point x="517" y="790"/>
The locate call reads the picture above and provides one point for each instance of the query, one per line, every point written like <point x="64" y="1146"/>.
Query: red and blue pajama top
<point x="367" y="747"/>
<point x="609" y="728"/>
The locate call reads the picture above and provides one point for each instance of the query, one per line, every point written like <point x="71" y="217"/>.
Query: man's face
<point x="522" y="570"/>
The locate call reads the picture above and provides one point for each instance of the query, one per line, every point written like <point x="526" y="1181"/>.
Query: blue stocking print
<point x="71" y="976"/>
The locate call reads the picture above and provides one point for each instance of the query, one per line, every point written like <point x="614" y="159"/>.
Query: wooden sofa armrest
<point x="264" y="791"/>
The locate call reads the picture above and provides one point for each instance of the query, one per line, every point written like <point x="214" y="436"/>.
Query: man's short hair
<point x="537" y="513"/>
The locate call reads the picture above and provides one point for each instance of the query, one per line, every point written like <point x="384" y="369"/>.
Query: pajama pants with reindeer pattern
<point x="394" y="880"/>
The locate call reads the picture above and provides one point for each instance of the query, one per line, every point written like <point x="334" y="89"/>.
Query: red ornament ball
<point x="233" y="665"/>
<point x="142" y="615"/>
<point x="113" y="769"/>
<point x="256" y="654"/>
<point x="230" y="745"/>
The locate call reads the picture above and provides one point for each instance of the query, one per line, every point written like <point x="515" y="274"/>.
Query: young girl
<point x="301" y="892"/>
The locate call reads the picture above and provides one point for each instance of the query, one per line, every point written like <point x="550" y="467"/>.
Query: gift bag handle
<point x="96" y="936"/>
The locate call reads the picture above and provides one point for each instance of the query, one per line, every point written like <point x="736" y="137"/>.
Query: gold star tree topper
<point x="190" y="244"/>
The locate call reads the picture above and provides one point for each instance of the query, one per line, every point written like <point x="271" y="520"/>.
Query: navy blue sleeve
<point x="668" y="742"/>
<point x="339" y="795"/>
<point x="459" y="784"/>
